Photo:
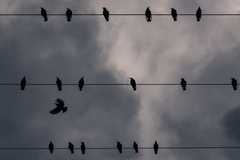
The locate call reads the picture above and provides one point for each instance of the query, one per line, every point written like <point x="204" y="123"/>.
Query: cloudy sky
<point x="161" y="51"/>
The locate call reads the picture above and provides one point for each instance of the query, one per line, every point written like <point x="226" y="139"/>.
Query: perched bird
<point x="83" y="148"/>
<point x="71" y="147"/>
<point x="119" y="147"/>
<point x="148" y="14"/>
<point x="81" y="84"/>
<point x="69" y="14"/>
<point x="234" y="84"/>
<point x="155" y="147"/>
<point x="135" y="147"/>
<point x="174" y="14"/>
<point x="133" y="83"/>
<point x="59" y="84"/>
<point x="184" y="84"/>
<point x="106" y="14"/>
<point x="23" y="83"/>
<point x="44" y="14"/>
<point x="199" y="14"/>
<point x="51" y="147"/>
<point x="60" y="107"/>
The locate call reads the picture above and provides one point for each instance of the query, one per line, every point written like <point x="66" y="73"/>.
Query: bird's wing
<point x="55" y="110"/>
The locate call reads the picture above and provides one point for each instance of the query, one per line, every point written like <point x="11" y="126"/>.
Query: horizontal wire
<point x="127" y="148"/>
<point x="118" y="14"/>
<point x="118" y="84"/>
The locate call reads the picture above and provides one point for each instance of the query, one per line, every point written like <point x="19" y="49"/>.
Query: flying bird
<point x="71" y="147"/>
<point x="106" y="14"/>
<point x="135" y="147"/>
<point x="155" y="147"/>
<point x="183" y="84"/>
<point x="60" y="107"/>
<point x="199" y="14"/>
<point x="23" y="83"/>
<point x="174" y="14"/>
<point x="59" y="84"/>
<point x="51" y="147"/>
<point x="148" y="14"/>
<point x="44" y="14"/>
<point x="133" y="83"/>
<point x="119" y="147"/>
<point x="69" y="14"/>
<point x="81" y="84"/>
<point x="234" y="84"/>
<point x="83" y="148"/>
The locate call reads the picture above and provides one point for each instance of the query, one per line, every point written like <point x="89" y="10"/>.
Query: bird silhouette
<point x="60" y="107"/>
<point x="234" y="84"/>
<point x="106" y="14"/>
<point x="183" y="84"/>
<point x="23" y="83"/>
<point x="135" y="147"/>
<point x="51" y="147"/>
<point x="119" y="147"/>
<point x="174" y="14"/>
<point x="81" y="83"/>
<point x="71" y="147"/>
<point x="199" y="14"/>
<point x="148" y="14"/>
<point x="83" y="148"/>
<point x="44" y="14"/>
<point x="155" y="147"/>
<point x="69" y="14"/>
<point x="59" y="84"/>
<point x="133" y="83"/>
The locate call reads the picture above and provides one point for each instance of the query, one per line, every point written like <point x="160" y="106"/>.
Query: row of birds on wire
<point x="119" y="147"/>
<point x="106" y="14"/>
<point x="132" y="82"/>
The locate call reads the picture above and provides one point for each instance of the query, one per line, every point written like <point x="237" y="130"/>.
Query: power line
<point x="132" y="83"/>
<point x="118" y="84"/>
<point x="128" y="148"/>
<point x="119" y="14"/>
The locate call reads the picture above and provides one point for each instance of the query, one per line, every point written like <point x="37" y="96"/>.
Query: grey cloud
<point x="231" y="124"/>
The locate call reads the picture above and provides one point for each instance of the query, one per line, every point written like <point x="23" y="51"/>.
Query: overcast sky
<point x="161" y="51"/>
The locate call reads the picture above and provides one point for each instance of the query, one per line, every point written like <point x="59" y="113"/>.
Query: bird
<point x="183" y="84"/>
<point x="51" y="147"/>
<point x="71" y="147"/>
<point x="174" y="14"/>
<point x="106" y="13"/>
<point x="199" y="14"/>
<point x="69" y="14"/>
<point x="133" y="83"/>
<point x="83" y="148"/>
<point x="59" y="84"/>
<point x="155" y="147"/>
<point x="148" y="14"/>
<point x="234" y="84"/>
<point x="135" y="147"/>
<point x="23" y="83"/>
<point x="81" y="83"/>
<point x="119" y="147"/>
<point x="44" y="14"/>
<point x="60" y="107"/>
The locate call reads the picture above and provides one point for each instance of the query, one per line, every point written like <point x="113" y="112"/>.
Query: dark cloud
<point x="231" y="124"/>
